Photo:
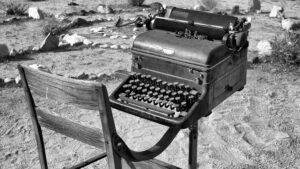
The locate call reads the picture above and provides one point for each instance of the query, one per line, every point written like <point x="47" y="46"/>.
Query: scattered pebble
<point x="105" y="35"/>
<point x="124" y="37"/>
<point x="276" y="11"/>
<point x="115" y="46"/>
<point x="104" y="9"/>
<point x="104" y="46"/>
<point x="264" y="47"/>
<point x="8" y="80"/>
<point x="97" y="30"/>
<point x="135" y="29"/>
<point x="109" y="19"/>
<point x="18" y="80"/>
<point x="114" y="36"/>
<point x="87" y="42"/>
<point x="124" y="47"/>
<point x="134" y="36"/>
<point x="13" y="52"/>
<point x="93" y="76"/>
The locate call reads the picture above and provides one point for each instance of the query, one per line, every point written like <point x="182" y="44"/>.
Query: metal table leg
<point x="193" y="140"/>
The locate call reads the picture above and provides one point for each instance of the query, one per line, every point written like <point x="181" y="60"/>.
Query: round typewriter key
<point x="134" y="88"/>
<point x="145" y="99"/>
<point x="186" y="95"/>
<point x="166" y="97"/>
<point x="194" y="93"/>
<point x="153" y="80"/>
<point x="177" y="99"/>
<point x="137" y="81"/>
<point x="147" y="86"/>
<point x="176" y="85"/>
<point x="144" y="91"/>
<point x="181" y="86"/>
<point x="136" y="96"/>
<point x="177" y="107"/>
<point x="180" y="93"/>
<point x="163" y="103"/>
<point x="158" y="82"/>
<point x="167" y="104"/>
<point x="143" y="78"/>
<point x="191" y="100"/>
<point x="187" y="87"/>
<point x="162" y="91"/>
<point x="131" y="81"/>
<point x="141" y="97"/>
<point x="170" y="86"/>
<point x="148" y="78"/>
<point x="137" y="75"/>
<point x="132" y="94"/>
<point x="172" y="99"/>
<point x="151" y="88"/>
<point x="157" y="89"/>
<point x="127" y="92"/>
<point x="158" y="102"/>
<point x="164" y="84"/>
<point x="160" y="97"/>
<point x="150" y="93"/>
<point x="183" y="106"/>
<point x="139" y="90"/>
<point x="173" y="94"/>
<point x="142" y="84"/>
<point x="155" y="94"/>
<point x="168" y="92"/>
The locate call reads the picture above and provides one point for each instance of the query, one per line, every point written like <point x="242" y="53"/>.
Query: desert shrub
<point x="286" y="50"/>
<point x="136" y="2"/>
<point x="209" y="4"/>
<point x="14" y="8"/>
<point x="53" y="26"/>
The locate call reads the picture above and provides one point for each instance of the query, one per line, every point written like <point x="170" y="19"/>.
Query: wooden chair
<point x="92" y="96"/>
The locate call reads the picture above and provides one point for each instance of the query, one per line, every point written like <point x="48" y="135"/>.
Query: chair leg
<point x="193" y="143"/>
<point x="36" y="126"/>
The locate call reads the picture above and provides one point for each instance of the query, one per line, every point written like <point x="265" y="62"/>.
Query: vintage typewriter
<point x="186" y="64"/>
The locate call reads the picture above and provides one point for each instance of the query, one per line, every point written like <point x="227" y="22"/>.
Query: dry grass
<point x="14" y="8"/>
<point x="286" y="51"/>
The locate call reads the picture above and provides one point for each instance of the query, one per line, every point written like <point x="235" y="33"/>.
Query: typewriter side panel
<point x="233" y="80"/>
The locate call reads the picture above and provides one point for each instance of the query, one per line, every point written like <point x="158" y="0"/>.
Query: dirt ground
<point x="257" y="128"/>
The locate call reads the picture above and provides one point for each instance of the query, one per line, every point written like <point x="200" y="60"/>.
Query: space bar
<point x="147" y="106"/>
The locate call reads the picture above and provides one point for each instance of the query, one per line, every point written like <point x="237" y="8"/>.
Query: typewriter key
<point x="177" y="107"/>
<point x="155" y="94"/>
<point x="163" y="103"/>
<point x="164" y="84"/>
<point x="194" y="93"/>
<point x="147" y="86"/>
<point x="136" y="96"/>
<point x="180" y="93"/>
<point x="186" y="95"/>
<point x="177" y="100"/>
<point x="137" y="75"/>
<point x="143" y="78"/>
<point x="187" y="87"/>
<point x="142" y="84"/>
<point x="148" y="78"/>
<point x="139" y="90"/>
<point x="166" y="97"/>
<point x="168" y="92"/>
<point x="150" y="93"/>
<point x="158" y="102"/>
<point x="137" y="82"/>
<point x="132" y="94"/>
<point x="153" y="80"/>
<point x="157" y="89"/>
<point x="141" y="97"/>
<point x="173" y="94"/>
<point x="152" y="88"/>
<point x="172" y="99"/>
<point x="169" y="86"/>
<point x="160" y="97"/>
<point x="131" y="82"/>
<point x="133" y="88"/>
<point x="146" y="98"/>
<point x="183" y="106"/>
<point x="175" y="84"/>
<point x="127" y="92"/>
<point x="162" y="91"/>
<point x="181" y="86"/>
<point x="158" y="82"/>
<point x="144" y="91"/>
<point x="191" y="100"/>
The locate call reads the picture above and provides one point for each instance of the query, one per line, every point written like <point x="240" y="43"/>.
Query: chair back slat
<point x="65" y="90"/>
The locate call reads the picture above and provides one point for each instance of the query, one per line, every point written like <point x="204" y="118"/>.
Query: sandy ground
<point x="257" y="128"/>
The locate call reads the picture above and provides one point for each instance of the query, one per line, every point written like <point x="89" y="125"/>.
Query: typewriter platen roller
<point x="175" y="79"/>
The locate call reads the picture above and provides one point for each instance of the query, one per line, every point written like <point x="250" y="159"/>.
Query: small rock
<point x="290" y="24"/>
<point x="35" y="49"/>
<point x="83" y="76"/>
<point x="73" y="4"/>
<point x="109" y="19"/>
<point x="114" y="36"/>
<point x="40" y="67"/>
<point x="255" y="60"/>
<point x="156" y="6"/>
<point x="124" y="47"/>
<point x="135" y="29"/>
<point x="235" y="10"/>
<point x="124" y="37"/>
<point x="35" y="13"/>
<point x="264" y="47"/>
<point x="3" y="50"/>
<point x="115" y="46"/>
<point x="104" y="35"/>
<point x="13" y="52"/>
<point x="104" y="9"/>
<point x="18" y="80"/>
<point x="104" y="46"/>
<point x="97" y="30"/>
<point x="93" y="76"/>
<point x="199" y="7"/>
<point x="276" y="11"/>
<point x="74" y="39"/>
<point x="134" y="36"/>
<point x="49" y="43"/>
<point x="132" y="19"/>
<point x="7" y="156"/>
<point x="254" y="5"/>
<point x="87" y="42"/>
<point x="10" y="19"/>
<point x="96" y="44"/>
<point x="9" y="80"/>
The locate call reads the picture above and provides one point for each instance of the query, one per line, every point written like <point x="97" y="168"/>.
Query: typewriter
<point x="186" y="64"/>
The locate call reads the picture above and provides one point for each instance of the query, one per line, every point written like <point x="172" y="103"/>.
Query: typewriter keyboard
<point x="170" y="99"/>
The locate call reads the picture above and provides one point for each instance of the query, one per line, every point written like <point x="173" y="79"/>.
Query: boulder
<point x="35" y="13"/>
<point x="276" y="11"/>
<point x="104" y="9"/>
<point x="49" y="43"/>
<point x="235" y="10"/>
<point x="74" y="39"/>
<point x="3" y="50"/>
<point x="264" y="48"/>
<point x="290" y="24"/>
<point x="254" y="5"/>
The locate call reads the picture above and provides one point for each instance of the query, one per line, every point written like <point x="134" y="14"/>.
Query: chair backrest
<point x="65" y="90"/>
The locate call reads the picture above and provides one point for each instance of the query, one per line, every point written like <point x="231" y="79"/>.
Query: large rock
<point x="104" y="9"/>
<point x="35" y="13"/>
<point x="254" y="5"/>
<point x="74" y="39"/>
<point x="264" y="48"/>
<point x="276" y="12"/>
<point x="3" y="50"/>
<point x="49" y="43"/>
<point x="290" y="24"/>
